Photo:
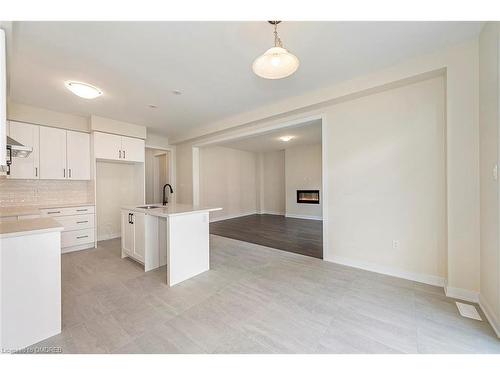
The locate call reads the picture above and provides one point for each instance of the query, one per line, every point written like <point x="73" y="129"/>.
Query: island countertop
<point x="30" y="226"/>
<point x="171" y="209"/>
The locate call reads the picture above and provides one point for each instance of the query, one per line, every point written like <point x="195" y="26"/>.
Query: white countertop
<point x="29" y="226"/>
<point x="35" y="209"/>
<point x="171" y="209"/>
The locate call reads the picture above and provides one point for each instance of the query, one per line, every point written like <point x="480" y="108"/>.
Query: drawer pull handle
<point x="82" y="222"/>
<point x="79" y="237"/>
<point x="83" y="209"/>
<point x="54" y="212"/>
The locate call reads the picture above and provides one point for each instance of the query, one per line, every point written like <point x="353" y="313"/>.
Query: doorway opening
<point x="256" y="179"/>
<point x="157" y="173"/>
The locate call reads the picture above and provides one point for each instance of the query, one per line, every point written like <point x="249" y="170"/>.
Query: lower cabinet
<point x="133" y="238"/>
<point x="79" y="226"/>
<point x="141" y="239"/>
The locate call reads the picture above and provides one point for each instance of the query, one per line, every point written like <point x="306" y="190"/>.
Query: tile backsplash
<point x="35" y="192"/>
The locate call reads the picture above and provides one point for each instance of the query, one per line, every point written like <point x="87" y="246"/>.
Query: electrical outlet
<point x="395" y="244"/>
<point x="495" y="172"/>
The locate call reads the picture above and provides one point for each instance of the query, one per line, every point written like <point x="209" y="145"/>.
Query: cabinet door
<point x="53" y="153"/>
<point x="78" y="155"/>
<point x="139" y="235"/>
<point x="107" y="146"/>
<point x="28" y="135"/>
<point x="127" y="234"/>
<point x="133" y="149"/>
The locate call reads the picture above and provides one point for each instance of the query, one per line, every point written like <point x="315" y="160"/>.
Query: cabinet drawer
<point x="76" y="222"/>
<point x="54" y="212"/>
<point x="77" y="237"/>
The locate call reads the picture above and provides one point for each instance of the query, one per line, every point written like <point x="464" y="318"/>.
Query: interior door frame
<point x="171" y="166"/>
<point x="265" y="129"/>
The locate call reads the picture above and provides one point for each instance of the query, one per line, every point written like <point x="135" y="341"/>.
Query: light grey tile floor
<point x="255" y="300"/>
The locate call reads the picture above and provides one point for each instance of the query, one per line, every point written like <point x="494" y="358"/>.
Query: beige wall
<point x="387" y="167"/>
<point x="303" y="172"/>
<point x="40" y="116"/>
<point x="460" y="65"/>
<point x="156" y="140"/>
<point x="271" y="194"/>
<point x="107" y="125"/>
<point x="228" y="180"/>
<point x="489" y="132"/>
<point x="116" y="185"/>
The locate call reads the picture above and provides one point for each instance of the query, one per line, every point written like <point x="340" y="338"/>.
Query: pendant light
<point x="276" y="62"/>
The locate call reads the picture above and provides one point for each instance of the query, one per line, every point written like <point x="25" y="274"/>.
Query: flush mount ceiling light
<point x="286" y="138"/>
<point x="83" y="90"/>
<point x="276" y="62"/>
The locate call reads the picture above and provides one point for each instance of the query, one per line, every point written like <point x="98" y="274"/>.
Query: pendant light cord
<point x="277" y="40"/>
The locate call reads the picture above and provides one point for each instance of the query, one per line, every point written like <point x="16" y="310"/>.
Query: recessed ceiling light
<point x="83" y="90"/>
<point x="286" y="138"/>
<point x="176" y="92"/>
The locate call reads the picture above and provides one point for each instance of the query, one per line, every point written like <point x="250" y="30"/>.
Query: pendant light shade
<point x="276" y="62"/>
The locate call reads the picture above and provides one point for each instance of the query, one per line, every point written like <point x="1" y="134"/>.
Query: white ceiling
<point x="307" y="133"/>
<point x="140" y="63"/>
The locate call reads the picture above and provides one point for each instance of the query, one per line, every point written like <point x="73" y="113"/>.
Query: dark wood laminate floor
<point x="299" y="236"/>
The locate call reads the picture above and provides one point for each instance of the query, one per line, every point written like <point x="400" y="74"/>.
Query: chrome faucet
<point x="165" y="199"/>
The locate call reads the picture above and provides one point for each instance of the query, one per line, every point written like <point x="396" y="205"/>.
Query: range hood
<point x="17" y="150"/>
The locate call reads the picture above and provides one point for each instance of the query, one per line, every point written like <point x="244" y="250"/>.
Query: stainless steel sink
<point x="149" y="207"/>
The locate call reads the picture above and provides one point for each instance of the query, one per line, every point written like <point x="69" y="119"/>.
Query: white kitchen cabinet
<point x="28" y="135"/>
<point x="117" y="147"/>
<point x="133" y="149"/>
<point x="78" y="223"/>
<point x="52" y="153"/>
<point x="134" y="235"/>
<point x="107" y="146"/>
<point x="64" y="154"/>
<point x="78" y="155"/>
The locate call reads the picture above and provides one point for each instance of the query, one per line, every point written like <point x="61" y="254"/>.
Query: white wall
<point x="489" y="132"/>
<point x="387" y="167"/>
<point x="303" y="172"/>
<point x="116" y="186"/>
<point x="460" y="65"/>
<point x="228" y="180"/>
<point x="41" y="116"/>
<point x="107" y="125"/>
<point x="271" y="194"/>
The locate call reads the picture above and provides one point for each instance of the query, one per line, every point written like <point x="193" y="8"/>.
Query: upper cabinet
<point x="78" y="155"/>
<point x="58" y="154"/>
<point x="117" y="147"/>
<point x="28" y="135"/>
<point x="53" y="154"/>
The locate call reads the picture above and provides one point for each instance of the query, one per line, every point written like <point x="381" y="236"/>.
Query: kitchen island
<point x="175" y="235"/>
<point x="30" y="288"/>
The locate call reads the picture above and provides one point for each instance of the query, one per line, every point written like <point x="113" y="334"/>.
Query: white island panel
<point x="187" y="246"/>
<point x="30" y="270"/>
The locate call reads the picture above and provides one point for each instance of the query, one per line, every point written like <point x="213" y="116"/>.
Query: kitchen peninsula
<point x="176" y="235"/>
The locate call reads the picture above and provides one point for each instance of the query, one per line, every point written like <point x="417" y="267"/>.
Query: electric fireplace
<point x="308" y="196"/>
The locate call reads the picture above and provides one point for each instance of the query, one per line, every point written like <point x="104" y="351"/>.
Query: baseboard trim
<point x="104" y="237"/>
<point x="70" y="249"/>
<point x="304" y="217"/>
<point x="227" y="217"/>
<point x="271" y="213"/>
<point x="463" y="294"/>
<point x="390" y="271"/>
<point x="490" y="315"/>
